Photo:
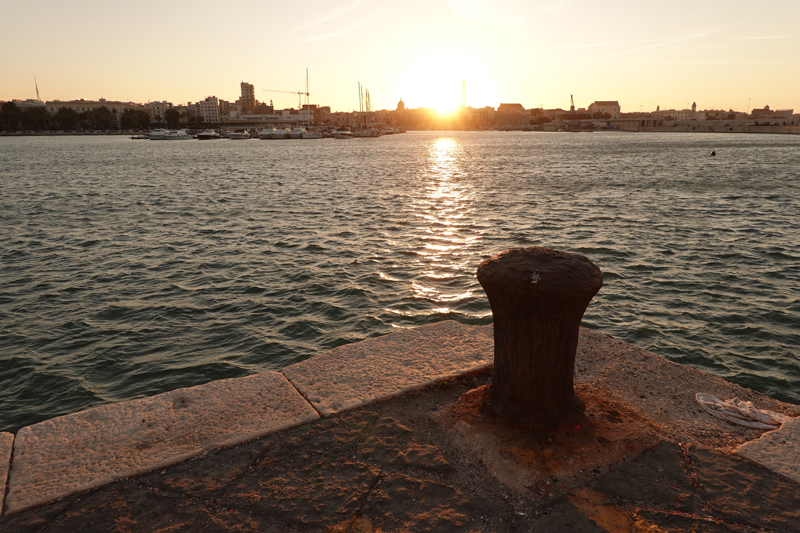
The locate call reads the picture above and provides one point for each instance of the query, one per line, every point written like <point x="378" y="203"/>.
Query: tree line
<point x="12" y="119"/>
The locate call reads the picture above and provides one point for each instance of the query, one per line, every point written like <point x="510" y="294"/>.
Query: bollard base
<point x="526" y="415"/>
<point x="527" y="459"/>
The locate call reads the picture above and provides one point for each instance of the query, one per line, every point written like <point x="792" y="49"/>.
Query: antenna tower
<point x="37" y="89"/>
<point x="572" y="107"/>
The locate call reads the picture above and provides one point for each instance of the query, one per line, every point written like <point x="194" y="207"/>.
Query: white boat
<point x="266" y="133"/>
<point x="236" y="135"/>
<point x="343" y="133"/>
<point x="312" y="135"/>
<point x="169" y="135"/>
<point x="282" y="133"/>
<point x="208" y="135"/>
<point x="297" y="133"/>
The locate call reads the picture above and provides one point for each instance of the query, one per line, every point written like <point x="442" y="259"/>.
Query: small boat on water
<point x="238" y="135"/>
<point x="313" y="135"/>
<point x="139" y="137"/>
<point x="208" y="135"/>
<point x="343" y="133"/>
<point x="169" y="135"/>
<point x="266" y="133"/>
<point x="297" y="133"/>
<point x="282" y="133"/>
<point x="371" y="132"/>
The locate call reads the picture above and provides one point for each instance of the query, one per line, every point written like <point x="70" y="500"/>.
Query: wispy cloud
<point x="554" y="7"/>
<point x="342" y="31"/>
<point x="505" y="12"/>
<point x="623" y="47"/>
<point x="592" y="45"/>
<point x="499" y="12"/>
<point x="761" y="37"/>
<point x="340" y="10"/>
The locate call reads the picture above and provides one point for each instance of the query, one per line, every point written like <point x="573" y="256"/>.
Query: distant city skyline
<point x="720" y="54"/>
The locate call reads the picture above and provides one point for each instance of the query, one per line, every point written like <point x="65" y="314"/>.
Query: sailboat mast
<point x="360" y="105"/>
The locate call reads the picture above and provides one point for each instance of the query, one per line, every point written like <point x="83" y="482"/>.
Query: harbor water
<point x="130" y="268"/>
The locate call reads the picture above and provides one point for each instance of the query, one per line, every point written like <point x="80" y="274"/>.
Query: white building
<point x="208" y="110"/>
<point x="156" y="110"/>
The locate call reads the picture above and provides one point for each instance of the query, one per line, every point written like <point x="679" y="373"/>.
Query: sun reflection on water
<point x="446" y="239"/>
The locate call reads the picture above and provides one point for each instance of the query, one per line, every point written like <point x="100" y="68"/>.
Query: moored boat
<point x="371" y="132"/>
<point x="208" y="135"/>
<point x="343" y="133"/>
<point x="169" y="135"/>
<point x="266" y="133"/>
<point x="297" y="133"/>
<point x="282" y="133"/>
<point x="312" y="135"/>
<point x="237" y="135"/>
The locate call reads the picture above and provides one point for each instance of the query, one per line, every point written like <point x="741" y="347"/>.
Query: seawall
<point x="73" y="453"/>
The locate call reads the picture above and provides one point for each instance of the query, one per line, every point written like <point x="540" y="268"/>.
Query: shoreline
<point x="681" y="128"/>
<point x="89" y="449"/>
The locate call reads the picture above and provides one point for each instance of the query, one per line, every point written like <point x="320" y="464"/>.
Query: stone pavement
<point x="402" y="464"/>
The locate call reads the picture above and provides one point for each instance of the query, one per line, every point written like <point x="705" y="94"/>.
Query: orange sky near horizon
<point x="720" y="54"/>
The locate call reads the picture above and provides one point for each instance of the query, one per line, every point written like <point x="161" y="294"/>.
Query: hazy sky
<point x="719" y="53"/>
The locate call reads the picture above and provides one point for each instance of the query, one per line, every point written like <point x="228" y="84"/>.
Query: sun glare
<point x="435" y="81"/>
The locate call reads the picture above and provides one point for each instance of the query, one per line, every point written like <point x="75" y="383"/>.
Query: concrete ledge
<point x="84" y="450"/>
<point x="80" y="451"/>
<point x="6" y="442"/>
<point x="375" y="369"/>
<point x="777" y="450"/>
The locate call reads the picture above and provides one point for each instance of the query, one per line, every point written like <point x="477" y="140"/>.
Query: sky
<point x="720" y="54"/>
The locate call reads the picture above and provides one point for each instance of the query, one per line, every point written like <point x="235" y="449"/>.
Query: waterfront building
<point x="188" y="112"/>
<point x="81" y="106"/>
<point x="248" y="97"/>
<point x="605" y="106"/>
<point x="208" y="110"/>
<point x="766" y="112"/>
<point x="225" y="108"/>
<point x="511" y="116"/>
<point x="29" y="104"/>
<point x="157" y="110"/>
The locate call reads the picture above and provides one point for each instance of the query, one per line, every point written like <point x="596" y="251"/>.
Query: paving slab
<point x="777" y="450"/>
<point x="76" y="452"/>
<point x="375" y="369"/>
<point x="395" y="466"/>
<point x="656" y="477"/>
<point x="129" y="507"/>
<point x="6" y="443"/>
<point x="738" y="491"/>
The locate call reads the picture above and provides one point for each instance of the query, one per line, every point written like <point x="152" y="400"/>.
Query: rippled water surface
<point x="131" y="268"/>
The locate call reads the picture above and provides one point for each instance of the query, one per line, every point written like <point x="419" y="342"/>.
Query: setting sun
<point x="436" y="82"/>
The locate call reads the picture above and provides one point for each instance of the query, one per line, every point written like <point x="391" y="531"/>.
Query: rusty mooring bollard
<point x="538" y="297"/>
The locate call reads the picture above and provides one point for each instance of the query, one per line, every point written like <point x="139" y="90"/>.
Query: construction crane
<point x="298" y="93"/>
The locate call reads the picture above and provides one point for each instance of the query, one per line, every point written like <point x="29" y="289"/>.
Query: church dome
<point x="400" y="105"/>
